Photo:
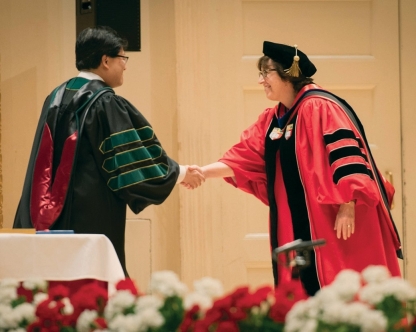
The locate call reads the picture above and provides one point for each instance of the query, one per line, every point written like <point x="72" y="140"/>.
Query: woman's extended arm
<point x="214" y="170"/>
<point x="217" y="170"/>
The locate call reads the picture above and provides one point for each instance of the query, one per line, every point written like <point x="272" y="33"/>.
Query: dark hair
<point x="93" y="43"/>
<point x="297" y="82"/>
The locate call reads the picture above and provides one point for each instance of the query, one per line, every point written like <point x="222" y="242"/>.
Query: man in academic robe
<point x="94" y="152"/>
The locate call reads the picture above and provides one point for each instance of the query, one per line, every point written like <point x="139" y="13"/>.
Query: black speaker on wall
<point x="120" y="15"/>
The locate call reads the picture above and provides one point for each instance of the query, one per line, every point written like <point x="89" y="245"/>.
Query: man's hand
<point x="345" y="220"/>
<point x="193" y="177"/>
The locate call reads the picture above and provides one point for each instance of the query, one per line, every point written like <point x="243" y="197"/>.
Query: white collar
<point x="89" y="75"/>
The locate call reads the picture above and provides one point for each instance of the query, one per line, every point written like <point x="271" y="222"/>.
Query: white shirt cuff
<point x="182" y="173"/>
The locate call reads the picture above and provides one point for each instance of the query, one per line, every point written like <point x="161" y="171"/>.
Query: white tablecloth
<point x="59" y="257"/>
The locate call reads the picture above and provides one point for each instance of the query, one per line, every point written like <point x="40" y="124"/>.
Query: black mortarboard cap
<point x="291" y="59"/>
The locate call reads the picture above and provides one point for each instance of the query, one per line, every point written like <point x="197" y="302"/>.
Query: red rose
<point x="286" y="295"/>
<point x="239" y="292"/>
<point x="90" y="296"/>
<point x="188" y="322"/>
<point x="252" y="300"/>
<point x="236" y="313"/>
<point x="50" y="317"/>
<point x="227" y="327"/>
<point x="224" y="302"/>
<point x="212" y="315"/>
<point x="58" y="292"/>
<point x="201" y="326"/>
<point x="128" y="284"/>
<point x="26" y="293"/>
<point x="49" y="310"/>
<point x="38" y="327"/>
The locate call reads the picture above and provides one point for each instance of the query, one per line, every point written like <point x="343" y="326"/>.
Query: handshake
<point x="194" y="177"/>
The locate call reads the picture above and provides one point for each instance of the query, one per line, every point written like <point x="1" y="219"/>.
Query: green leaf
<point x="259" y="323"/>
<point x="67" y="329"/>
<point x="393" y="310"/>
<point x="18" y="301"/>
<point x="129" y="310"/>
<point x="173" y="312"/>
<point x="340" y="327"/>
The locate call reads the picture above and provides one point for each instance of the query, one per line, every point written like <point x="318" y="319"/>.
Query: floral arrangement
<point x="371" y="301"/>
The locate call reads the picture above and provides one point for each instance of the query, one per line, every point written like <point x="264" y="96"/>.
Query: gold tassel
<point x="294" y="69"/>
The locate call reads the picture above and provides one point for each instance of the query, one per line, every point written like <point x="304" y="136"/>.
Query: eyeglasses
<point x="265" y="72"/>
<point x="125" y="58"/>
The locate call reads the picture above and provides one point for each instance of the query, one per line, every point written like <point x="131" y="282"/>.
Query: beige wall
<point x="37" y="53"/>
<point x="408" y="112"/>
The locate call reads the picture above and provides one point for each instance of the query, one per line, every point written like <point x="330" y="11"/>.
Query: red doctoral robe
<point x="321" y="160"/>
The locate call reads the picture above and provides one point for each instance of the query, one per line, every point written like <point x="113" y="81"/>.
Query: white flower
<point x="85" y="320"/>
<point x="271" y="300"/>
<point x="335" y="304"/>
<point x="374" y="293"/>
<point x="264" y="307"/>
<point x="311" y="307"/>
<point x="203" y="301"/>
<point x="303" y="313"/>
<point x="310" y="326"/>
<point x="151" y="318"/>
<point x="7" y="283"/>
<point x="375" y="273"/>
<point x="346" y="284"/>
<point x="354" y="313"/>
<point x="35" y="283"/>
<point x="343" y="288"/>
<point x="7" y="294"/>
<point x="10" y="318"/>
<point x="326" y="295"/>
<point x="255" y="310"/>
<point x="126" y="323"/>
<point x="167" y="284"/>
<point x="5" y="314"/>
<point x="120" y="301"/>
<point x="25" y="312"/>
<point x="300" y="325"/>
<point x="209" y="287"/>
<point x="144" y="316"/>
<point x="371" y="293"/>
<point x="206" y="289"/>
<point x="52" y="304"/>
<point x="148" y="301"/>
<point x="123" y="299"/>
<point x="39" y="297"/>
<point x="333" y="312"/>
<point x="361" y="315"/>
<point x="400" y="289"/>
<point x="68" y="308"/>
<point x="373" y="321"/>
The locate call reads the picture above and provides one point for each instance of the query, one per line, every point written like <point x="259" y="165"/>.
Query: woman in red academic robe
<point x="308" y="159"/>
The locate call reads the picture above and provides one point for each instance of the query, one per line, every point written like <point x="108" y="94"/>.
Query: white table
<point x="59" y="257"/>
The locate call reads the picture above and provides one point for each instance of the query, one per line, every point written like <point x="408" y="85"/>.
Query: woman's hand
<point x="193" y="177"/>
<point x="345" y="220"/>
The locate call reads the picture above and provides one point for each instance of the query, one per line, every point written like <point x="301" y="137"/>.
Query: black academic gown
<point x="93" y="154"/>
